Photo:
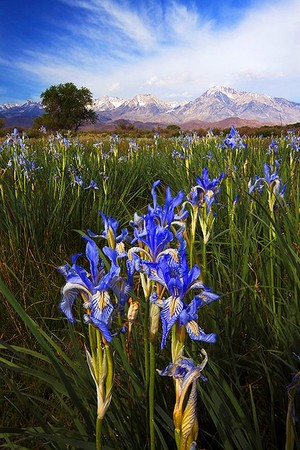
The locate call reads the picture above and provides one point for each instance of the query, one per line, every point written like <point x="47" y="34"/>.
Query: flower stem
<point x="204" y="262"/>
<point x="151" y="396"/>
<point x="99" y="433"/>
<point x="110" y="369"/>
<point x="193" y="234"/>
<point x="272" y="239"/>
<point x="147" y="362"/>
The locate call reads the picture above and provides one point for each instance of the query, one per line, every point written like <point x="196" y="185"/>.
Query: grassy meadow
<point x="244" y="236"/>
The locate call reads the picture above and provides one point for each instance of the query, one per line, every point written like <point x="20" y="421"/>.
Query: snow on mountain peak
<point x="145" y="99"/>
<point x="222" y="90"/>
<point x="217" y="103"/>
<point x="107" y="102"/>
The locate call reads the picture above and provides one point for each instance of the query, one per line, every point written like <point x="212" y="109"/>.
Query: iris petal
<point x="92" y="255"/>
<point x="69" y="293"/>
<point x="171" y="310"/>
<point x="101" y="307"/>
<point x="197" y="334"/>
<point x="66" y="303"/>
<point x="102" y="327"/>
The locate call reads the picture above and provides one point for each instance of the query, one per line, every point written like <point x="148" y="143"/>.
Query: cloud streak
<point x="171" y="50"/>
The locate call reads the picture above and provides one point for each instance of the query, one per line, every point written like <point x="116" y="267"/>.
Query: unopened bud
<point x="132" y="312"/>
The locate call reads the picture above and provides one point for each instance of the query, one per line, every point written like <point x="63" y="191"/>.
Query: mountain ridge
<point x="214" y="105"/>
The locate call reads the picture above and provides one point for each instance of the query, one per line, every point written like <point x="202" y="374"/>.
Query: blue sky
<point x="174" y="49"/>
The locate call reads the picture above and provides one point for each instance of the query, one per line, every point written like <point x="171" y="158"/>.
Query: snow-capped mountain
<point x="107" y="103"/>
<point x="141" y="107"/>
<point x="216" y="104"/>
<point x="223" y="102"/>
<point x="6" y="107"/>
<point x="144" y="107"/>
<point x="138" y="103"/>
<point x="27" y="109"/>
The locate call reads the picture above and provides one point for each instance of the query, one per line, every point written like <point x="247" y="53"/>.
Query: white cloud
<point x="181" y="21"/>
<point x="117" y="20"/>
<point x="129" y="23"/>
<point x="172" y="51"/>
<point x="114" y="87"/>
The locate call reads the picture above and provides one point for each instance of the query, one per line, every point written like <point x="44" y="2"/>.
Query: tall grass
<point x="251" y="261"/>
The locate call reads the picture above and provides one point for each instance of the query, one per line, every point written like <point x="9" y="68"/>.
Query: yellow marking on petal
<point x="194" y="327"/>
<point x="111" y="238"/>
<point x="103" y="300"/>
<point x="137" y="250"/>
<point x="169" y="251"/>
<point x="173" y="305"/>
<point x="209" y="193"/>
<point x="120" y="247"/>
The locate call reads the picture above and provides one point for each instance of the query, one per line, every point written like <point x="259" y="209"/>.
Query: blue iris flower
<point x="78" y="180"/>
<point x="184" y="369"/>
<point x="153" y="229"/>
<point x="233" y="139"/>
<point x="205" y="191"/>
<point x="271" y="180"/>
<point x="153" y="235"/>
<point x="93" y="185"/>
<point x="165" y="214"/>
<point x="274" y="146"/>
<point x="178" y="279"/>
<point x="94" y="287"/>
<point x="110" y="232"/>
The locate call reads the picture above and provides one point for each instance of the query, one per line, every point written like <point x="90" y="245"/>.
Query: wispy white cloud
<point x="113" y="87"/>
<point x="108" y="18"/>
<point x="129" y="23"/>
<point x="171" y="50"/>
<point x="181" y="22"/>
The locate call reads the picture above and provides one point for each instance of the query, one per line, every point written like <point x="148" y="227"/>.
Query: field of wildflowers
<point x="149" y="292"/>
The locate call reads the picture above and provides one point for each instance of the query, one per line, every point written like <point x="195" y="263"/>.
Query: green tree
<point x="66" y="107"/>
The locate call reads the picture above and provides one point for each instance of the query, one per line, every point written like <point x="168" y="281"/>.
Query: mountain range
<point x="218" y="105"/>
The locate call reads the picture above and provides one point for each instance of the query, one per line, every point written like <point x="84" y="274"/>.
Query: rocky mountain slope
<point x="220" y="103"/>
<point x="28" y="109"/>
<point x="216" y="104"/>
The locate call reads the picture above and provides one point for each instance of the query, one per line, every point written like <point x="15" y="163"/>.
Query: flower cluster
<point x="160" y="258"/>
<point x="157" y="255"/>
<point x="79" y="182"/>
<point x="233" y="140"/>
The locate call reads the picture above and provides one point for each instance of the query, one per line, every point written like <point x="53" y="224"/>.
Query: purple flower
<point x="184" y="369"/>
<point x="94" y="287"/>
<point x="205" y="191"/>
<point x="78" y="180"/>
<point x="110" y="232"/>
<point x="93" y="185"/>
<point x="179" y="280"/>
<point x="233" y="140"/>
<point x="271" y="180"/>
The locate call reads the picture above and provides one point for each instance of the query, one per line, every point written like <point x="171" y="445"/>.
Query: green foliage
<point x="66" y="107"/>
<point x="48" y="398"/>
